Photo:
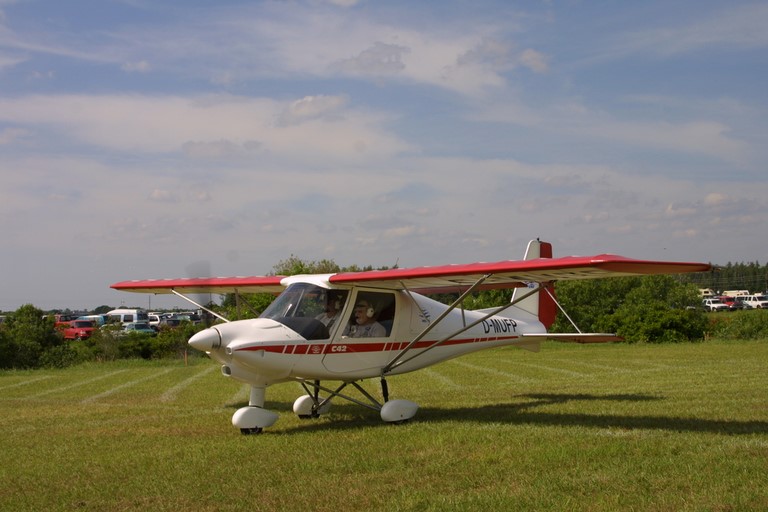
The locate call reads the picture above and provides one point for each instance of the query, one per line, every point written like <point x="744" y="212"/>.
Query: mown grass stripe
<point x="491" y="371"/>
<point x="170" y="394"/>
<point x="553" y="369"/>
<point x="76" y="384"/>
<point x="125" y="385"/>
<point x="597" y="366"/>
<point x="25" y="382"/>
<point x="442" y="379"/>
<point x="242" y="394"/>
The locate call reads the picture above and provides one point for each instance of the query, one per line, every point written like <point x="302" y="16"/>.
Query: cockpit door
<point x="363" y="339"/>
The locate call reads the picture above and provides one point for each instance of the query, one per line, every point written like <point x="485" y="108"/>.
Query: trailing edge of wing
<point x="510" y="274"/>
<point x="253" y="284"/>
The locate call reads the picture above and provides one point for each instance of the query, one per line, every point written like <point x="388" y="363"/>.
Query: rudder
<point x="540" y="304"/>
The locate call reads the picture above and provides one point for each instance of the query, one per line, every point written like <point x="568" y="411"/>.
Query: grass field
<point x="610" y="427"/>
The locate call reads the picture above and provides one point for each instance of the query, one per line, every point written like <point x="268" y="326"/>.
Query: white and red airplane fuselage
<point x="264" y="351"/>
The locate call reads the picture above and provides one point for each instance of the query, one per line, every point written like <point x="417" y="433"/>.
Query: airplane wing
<point x="252" y="284"/>
<point x="437" y="279"/>
<point x="511" y="274"/>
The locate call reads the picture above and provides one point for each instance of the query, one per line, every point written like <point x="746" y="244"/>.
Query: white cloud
<point x="344" y="3"/>
<point x="11" y="135"/>
<point x="209" y="125"/>
<point x="571" y="118"/>
<point x="312" y="107"/>
<point x="219" y="149"/>
<point x="8" y="61"/>
<point x="697" y="137"/>
<point x="141" y="66"/>
<point x="380" y="59"/>
<point x="715" y="199"/>
<point x="165" y="196"/>
<point x="534" y="60"/>
<point x="730" y="27"/>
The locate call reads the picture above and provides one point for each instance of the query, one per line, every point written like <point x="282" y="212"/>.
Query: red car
<point x="77" y="329"/>
<point x="733" y="304"/>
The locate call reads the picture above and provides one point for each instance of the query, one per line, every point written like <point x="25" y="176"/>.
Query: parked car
<point x="154" y="320"/>
<point x="98" y="320"/>
<point x="77" y="329"/>
<point x="756" y="301"/>
<point x="714" y="305"/>
<point x="127" y="316"/>
<point x="170" y="322"/>
<point x="138" y="327"/>
<point x="740" y="300"/>
<point x="732" y="303"/>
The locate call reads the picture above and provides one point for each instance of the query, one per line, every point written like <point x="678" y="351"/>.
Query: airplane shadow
<point x="523" y="412"/>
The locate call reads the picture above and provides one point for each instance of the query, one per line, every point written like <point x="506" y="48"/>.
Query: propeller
<point x="198" y="269"/>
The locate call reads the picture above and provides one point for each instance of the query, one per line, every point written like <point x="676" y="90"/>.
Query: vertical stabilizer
<point x="539" y="304"/>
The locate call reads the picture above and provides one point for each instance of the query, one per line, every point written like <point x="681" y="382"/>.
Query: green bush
<point x="740" y="325"/>
<point x="172" y="342"/>
<point x="640" y="309"/>
<point x="102" y="345"/>
<point x="109" y="344"/>
<point x="26" y="336"/>
<point x="60" y="356"/>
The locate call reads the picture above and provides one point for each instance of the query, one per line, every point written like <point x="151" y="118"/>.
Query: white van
<point x="755" y="301"/>
<point x="127" y="316"/>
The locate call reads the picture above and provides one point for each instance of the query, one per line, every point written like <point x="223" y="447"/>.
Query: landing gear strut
<point x="392" y="411"/>
<point x="384" y="389"/>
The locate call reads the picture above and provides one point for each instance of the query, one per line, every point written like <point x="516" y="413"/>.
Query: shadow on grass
<point x="524" y="413"/>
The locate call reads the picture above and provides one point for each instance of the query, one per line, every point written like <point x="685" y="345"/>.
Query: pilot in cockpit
<point x="334" y="301"/>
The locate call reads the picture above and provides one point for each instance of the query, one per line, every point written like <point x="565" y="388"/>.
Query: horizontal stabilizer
<point x="592" y="337"/>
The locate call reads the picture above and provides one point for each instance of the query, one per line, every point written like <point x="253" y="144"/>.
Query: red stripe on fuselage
<point x="357" y="346"/>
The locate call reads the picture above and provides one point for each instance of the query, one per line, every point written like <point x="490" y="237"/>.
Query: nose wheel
<point x="254" y="418"/>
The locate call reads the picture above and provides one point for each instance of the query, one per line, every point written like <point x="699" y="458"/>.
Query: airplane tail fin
<point x="539" y="304"/>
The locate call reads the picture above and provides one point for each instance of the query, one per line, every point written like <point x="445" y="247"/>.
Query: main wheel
<point x="251" y="431"/>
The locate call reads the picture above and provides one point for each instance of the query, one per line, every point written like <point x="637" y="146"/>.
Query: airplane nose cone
<point x="206" y="340"/>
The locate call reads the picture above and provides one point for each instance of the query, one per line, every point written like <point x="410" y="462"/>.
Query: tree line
<point x="733" y="276"/>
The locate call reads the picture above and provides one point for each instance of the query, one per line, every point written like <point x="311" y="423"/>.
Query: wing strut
<point x="562" y="310"/>
<point x="239" y="302"/>
<point x="431" y="325"/>
<point x="198" y="305"/>
<point x="579" y="337"/>
<point x="397" y="361"/>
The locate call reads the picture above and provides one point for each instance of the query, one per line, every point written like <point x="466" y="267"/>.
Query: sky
<point x="160" y="138"/>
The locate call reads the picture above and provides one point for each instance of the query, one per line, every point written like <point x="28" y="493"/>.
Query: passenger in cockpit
<point x="365" y="325"/>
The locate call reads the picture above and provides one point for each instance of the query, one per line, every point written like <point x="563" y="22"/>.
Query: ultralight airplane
<point x="351" y="326"/>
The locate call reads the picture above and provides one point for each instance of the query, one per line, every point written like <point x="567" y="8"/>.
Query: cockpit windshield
<point x="308" y="309"/>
